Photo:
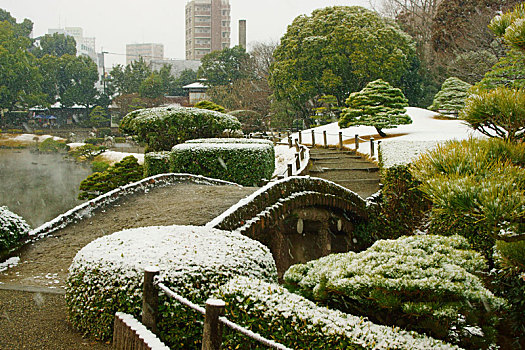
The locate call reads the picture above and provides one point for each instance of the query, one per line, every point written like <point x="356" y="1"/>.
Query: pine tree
<point x="379" y="105"/>
<point x="452" y="96"/>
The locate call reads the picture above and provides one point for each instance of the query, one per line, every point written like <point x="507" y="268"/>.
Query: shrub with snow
<point x="423" y="283"/>
<point x="243" y="161"/>
<point x="106" y="276"/>
<point x="163" y="127"/>
<point x="12" y="229"/>
<point x="156" y="163"/>
<point x="452" y="96"/>
<point x="298" y="323"/>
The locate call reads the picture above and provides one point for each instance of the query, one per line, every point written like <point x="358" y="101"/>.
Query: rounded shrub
<point x="163" y="127"/>
<point x="12" y="229"/>
<point x="156" y="163"/>
<point x="106" y="276"/>
<point x="423" y="283"/>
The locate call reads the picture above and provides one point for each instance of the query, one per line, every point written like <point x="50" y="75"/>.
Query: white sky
<point x="115" y="23"/>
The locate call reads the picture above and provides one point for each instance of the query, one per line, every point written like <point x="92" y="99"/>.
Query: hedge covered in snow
<point x="156" y="163"/>
<point x="106" y="276"/>
<point x="298" y="323"/>
<point x="163" y="127"/>
<point x="425" y="283"/>
<point x="13" y="228"/>
<point x="245" y="163"/>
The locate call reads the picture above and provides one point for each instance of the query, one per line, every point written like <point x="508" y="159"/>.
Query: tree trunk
<point x="380" y="132"/>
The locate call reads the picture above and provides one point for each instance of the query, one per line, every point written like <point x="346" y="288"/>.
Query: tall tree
<point x="186" y="77"/>
<point x="81" y="74"/>
<point x="56" y="45"/>
<point x="22" y="29"/>
<point x="127" y="80"/>
<point x="335" y="51"/>
<point x="223" y="67"/>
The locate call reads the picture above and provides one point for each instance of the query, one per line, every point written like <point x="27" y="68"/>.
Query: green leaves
<point x="452" y="96"/>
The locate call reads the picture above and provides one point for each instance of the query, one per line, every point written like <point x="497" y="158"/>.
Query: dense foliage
<point x="294" y="321"/>
<point x="425" y="283"/>
<point x="204" y="104"/>
<point x="13" y="228"/>
<point x="50" y="145"/>
<point x="477" y="190"/>
<point x="163" y="127"/>
<point x="338" y="50"/>
<point x="452" y="95"/>
<point x="378" y="105"/>
<point x="156" y="163"/>
<point x="107" y="275"/>
<point x="223" y="67"/>
<point x="251" y="121"/>
<point x="236" y="160"/>
<point x="497" y="113"/>
<point x="122" y="173"/>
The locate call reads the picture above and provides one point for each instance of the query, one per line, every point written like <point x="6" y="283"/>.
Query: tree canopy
<point x="223" y="67"/>
<point x="378" y="105"/>
<point x="335" y="51"/>
<point x="452" y="96"/>
<point x="56" y="45"/>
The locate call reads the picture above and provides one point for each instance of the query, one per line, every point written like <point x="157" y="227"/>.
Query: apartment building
<point x="207" y="27"/>
<point x="147" y="51"/>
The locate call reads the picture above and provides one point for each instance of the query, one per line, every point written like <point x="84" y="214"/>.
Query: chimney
<point x="242" y="33"/>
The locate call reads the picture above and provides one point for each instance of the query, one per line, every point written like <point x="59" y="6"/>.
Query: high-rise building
<point x="148" y="52"/>
<point x="207" y="27"/>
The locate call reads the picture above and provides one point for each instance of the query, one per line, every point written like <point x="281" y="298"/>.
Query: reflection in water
<point x="39" y="187"/>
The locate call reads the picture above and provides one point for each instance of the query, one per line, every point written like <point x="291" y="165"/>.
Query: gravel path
<point x="44" y="264"/>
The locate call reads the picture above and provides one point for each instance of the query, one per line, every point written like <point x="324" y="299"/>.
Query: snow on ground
<point x="11" y="262"/>
<point x="25" y="139"/>
<point x="112" y="157"/>
<point x="75" y="145"/>
<point x="283" y="156"/>
<point x="424" y="133"/>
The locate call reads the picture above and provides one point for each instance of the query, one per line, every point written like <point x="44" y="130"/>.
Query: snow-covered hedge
<point x="156" y="163"/>
<point x="13" y="228"/>
<point x="298" y="323"/>
<point x="106" y="276"/>
<point x="237" y="161"/>
<point x="163" y="127"/>
<point x="425" y="283"/>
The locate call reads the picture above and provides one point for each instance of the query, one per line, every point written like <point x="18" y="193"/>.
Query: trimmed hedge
<point x="106" y="276"/>
<point x="243" y="163"/>
<point x="423" y="283"/>
<point x="156" y="163"/>
<point x="163" y="127"/>
<point x="13" y="228"/>
<point x="277" y="314"/>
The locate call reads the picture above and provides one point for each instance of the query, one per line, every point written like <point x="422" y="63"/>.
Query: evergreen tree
<point x="452" y="96"/>
<point x="379" y="105"/>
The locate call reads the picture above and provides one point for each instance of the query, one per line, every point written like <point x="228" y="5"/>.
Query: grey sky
<point x="116" y="23"/>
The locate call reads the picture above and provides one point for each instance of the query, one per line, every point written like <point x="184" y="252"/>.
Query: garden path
<point x="32" y="309"/>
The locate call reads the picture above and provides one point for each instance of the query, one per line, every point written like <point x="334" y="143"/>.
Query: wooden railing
<point x="213" y="314"/>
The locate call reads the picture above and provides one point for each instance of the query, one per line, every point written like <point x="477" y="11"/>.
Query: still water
<point x="39" y="187"/>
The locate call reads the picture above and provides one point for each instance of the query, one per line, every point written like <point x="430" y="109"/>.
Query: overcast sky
<point x="115" y="23"/>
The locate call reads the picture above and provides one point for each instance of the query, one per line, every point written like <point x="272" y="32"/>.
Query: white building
<point x="147" y="51"/>
<point x="85" y="45"/>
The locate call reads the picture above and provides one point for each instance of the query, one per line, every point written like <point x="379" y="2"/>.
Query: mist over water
<point x="39" y="187"/>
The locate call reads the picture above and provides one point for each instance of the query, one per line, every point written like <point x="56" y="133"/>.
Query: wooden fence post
<point x="290" y="169"/>
<point x="300" y="136"/>
<point x="297" y="162"/>
<point x="325" y="139"/>
<point x="340" y="140"/>
<point x="296" y="145"/>
<point x="150" y="299"/>
<point x="356" y="141"/>
<point x="212" y="335"/>
<point x="372" y="146"/>
<point x="290" y="142"/>
<point x="313" y="138"/>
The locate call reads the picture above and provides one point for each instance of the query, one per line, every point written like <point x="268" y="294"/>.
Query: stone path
<point x="346" y="169"/>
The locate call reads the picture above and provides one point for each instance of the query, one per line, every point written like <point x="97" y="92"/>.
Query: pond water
<point x="39" y="187"/>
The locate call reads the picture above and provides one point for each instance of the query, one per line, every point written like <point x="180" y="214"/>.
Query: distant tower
<point x="207" y="27"/>
<point x="242" y="33"/>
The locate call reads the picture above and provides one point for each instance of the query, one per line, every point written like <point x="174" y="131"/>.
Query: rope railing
<point x="325" y="135"/>
<point x="213" y="314"/>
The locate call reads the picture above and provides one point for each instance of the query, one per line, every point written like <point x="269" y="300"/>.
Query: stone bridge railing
<point x="276" y="199"/>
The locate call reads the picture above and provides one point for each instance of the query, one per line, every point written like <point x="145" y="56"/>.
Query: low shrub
<point x="51" y="146"/>
<point x="122" y="173"/>
<point x="476" y="188"/>
<point x="103" y="132"/>
<point x="12" y="229"/>
<point x="235" y="160"/>
<point x="423" y="283"/>
<point x="298" y="323"/>
<point x="452" y="95"/>
<point x="106" y="276"/>
<point x="94" y="141"/>
<point x="156" y="163"/>
<point x="98" y="167"/>
<point x="86" y="152"/>
<point x="163" y="127"/>
<point x="212" y="106"/>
